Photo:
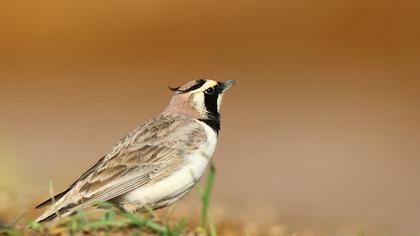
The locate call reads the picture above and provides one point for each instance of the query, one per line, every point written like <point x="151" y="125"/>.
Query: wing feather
<point x="148" y="154"/>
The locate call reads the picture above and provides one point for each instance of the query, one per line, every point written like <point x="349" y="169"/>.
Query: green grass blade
<point x="161" y="229"/>
<point x="103" y="223"/>
<point x="205" y="197"/>
<point x="34" y="225"/>
<point x="134" y="219"/>
<point x="178" y="228"/>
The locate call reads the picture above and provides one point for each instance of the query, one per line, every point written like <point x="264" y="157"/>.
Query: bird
<point x="157" y="163"/>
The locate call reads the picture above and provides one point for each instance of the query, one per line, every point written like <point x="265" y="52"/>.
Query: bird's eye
<point x="210" y="90"/>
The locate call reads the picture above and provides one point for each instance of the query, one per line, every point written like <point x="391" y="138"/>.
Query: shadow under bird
<point x="156" y="164"/>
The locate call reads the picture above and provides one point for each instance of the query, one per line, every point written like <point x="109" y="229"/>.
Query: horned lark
<point x="156" y="164"/>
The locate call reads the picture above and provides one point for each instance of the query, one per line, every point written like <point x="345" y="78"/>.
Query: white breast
<point x="182" y="180"/>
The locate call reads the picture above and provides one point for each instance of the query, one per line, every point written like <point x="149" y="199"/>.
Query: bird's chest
<point x="209" y="146"/>
<point x="197" y="161"/>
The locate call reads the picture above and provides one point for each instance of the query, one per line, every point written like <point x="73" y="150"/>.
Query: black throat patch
<point x="213" y="115"/>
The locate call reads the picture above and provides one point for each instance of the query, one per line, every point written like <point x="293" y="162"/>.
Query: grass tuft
<point x="109" y="219"/>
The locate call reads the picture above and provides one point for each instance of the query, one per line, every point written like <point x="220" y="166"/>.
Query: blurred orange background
<point x="323" y="127"/>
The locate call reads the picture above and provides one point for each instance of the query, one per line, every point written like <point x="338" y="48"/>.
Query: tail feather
<point x="50" y="200"/>
<point x="65" y="204"/>
<point x="44" y="219"/>
<point x="53" y="213"/>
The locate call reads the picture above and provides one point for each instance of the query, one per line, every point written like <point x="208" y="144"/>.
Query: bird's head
<point x="200" y="99"/>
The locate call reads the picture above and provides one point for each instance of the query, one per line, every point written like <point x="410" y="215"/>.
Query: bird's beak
<point x="228" y="84"/>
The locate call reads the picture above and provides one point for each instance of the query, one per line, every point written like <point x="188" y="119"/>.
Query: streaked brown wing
<point x="117" y="178"/>
<point x="148" y="154"/>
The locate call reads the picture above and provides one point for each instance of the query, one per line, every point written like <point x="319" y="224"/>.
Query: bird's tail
<point x="63" y="207"/>
<point x="46" y="216"/>
<point x="55" y="211"/>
